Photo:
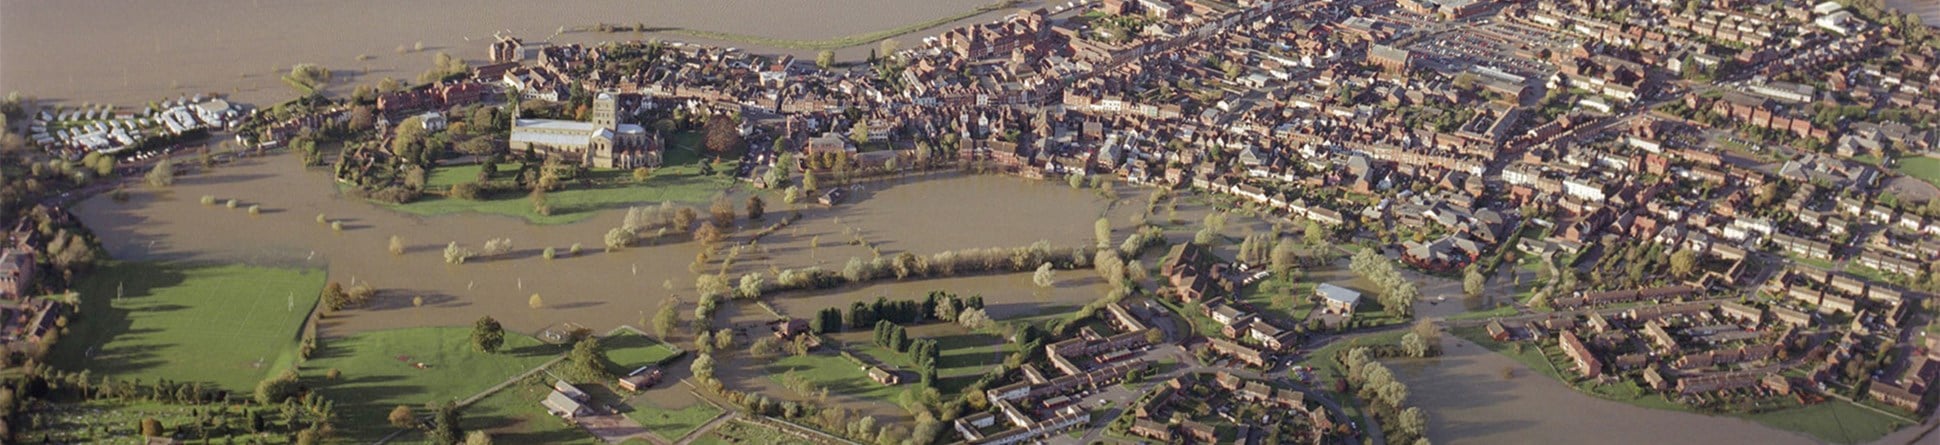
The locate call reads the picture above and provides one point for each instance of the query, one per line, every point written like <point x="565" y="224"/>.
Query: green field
<point x="1922" y="168"/>
<point x="962" y="356"/>
<point x="380" y="371"/>
<point x="1833" y="421"/>
<point x="628" y="351"/>
<point x="671" y="424"/>
<point x="678" y="179"/>
<point x="513" y="415"/>
<point x="229" y="325"/>
<point x="837" y="374"/>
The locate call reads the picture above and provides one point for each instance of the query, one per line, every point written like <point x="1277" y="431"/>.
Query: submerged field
<point x="226" y="325"/>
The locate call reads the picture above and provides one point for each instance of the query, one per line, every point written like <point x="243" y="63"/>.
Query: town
<point x="1104" y="221"/>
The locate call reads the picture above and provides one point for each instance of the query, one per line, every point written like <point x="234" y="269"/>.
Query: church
<point x="602" y="143"/>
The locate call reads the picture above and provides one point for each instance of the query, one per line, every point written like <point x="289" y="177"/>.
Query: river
<point x="130" y="53"/>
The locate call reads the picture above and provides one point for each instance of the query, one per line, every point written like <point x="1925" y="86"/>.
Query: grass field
<point x="962" y="356"/>
<point x="380" y="372"/>
<point x="230" y="325"/>
<point x="678" y="179"/>
<point x="1922" y="168"/>
<point x="1833" y="421"/>
<point x="838" y="375"/>
<point x="629" y="351"/>
<point x="513" y="415"/>
<point x="671" y="424"/>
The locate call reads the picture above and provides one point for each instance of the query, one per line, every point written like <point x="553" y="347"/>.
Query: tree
<point x="151" y="427"/>
<point x="274" y="390"/>
<point x="723" y="134"/>
<point x="1413" y="345"/>
<point x="1102" y="230"/>
<point x="397" y="245"/>
<point x="1414" y="421"/>
<point x="487" y="334"/>
<point x="764" y="347"/>
<point x="618" y="238"/>
<point x="497" y="246"/>
<point x="1683" y="263"/>
<point x="307" y="79"/>
<point x="825" y="59"/>
<point x="163" y="175"/>
<point x="444" y="425"/>
<point x="1284" y="257"/>
<point x="1472" y="281"/>
<point x="478" y="438"/>
<point x="586" y="357"/>
<point x="750" y="286"/>
<point x="724" y="339"/>
<point x="756" y="207"/>
<point x="455" y="254"/>
<point x="703" y="367"/>
<point x="1044" y="277"/>
<point x="401" y="417"/>
<point x="666" y="319"/>
<point x="535" y="302"/>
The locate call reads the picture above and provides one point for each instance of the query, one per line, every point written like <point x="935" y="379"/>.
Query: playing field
<point x="383" y="369"/>
<point x="1921" y="167"/>
<point x="227" y="325"/>
<point x="678" y="180"/>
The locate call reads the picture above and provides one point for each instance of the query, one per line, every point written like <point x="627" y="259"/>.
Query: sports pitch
<point x="226" y="325"/>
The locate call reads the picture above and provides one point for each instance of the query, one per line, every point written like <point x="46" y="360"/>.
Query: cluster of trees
<point x="922" y="351"/>
<point x="944" y="264"/>
<point x="1389" y="396"/>
<point x="936" y="306"/>
<point x="652" y="223"/>
<point x="1398" y="294"/>
<point x="336" y="298"/>
<point x="487" y="335"/>
<point x="215" y="413"/>
<point x="445" y="67"/>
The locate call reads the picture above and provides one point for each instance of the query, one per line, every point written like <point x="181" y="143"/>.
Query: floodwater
<point x="1468" y="401"/>
<point x="597" y="289"/>
<point x="130" y="53"/>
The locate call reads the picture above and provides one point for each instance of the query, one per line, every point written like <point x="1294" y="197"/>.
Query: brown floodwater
<point x="129" y="53"/>
<point x="597" y="289"/>
<point x="1468" y="401"/>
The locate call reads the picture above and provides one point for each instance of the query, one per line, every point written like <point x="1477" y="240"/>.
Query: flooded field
<point x="135" y="52"/>
<point x="1468" y="401"/>
<point x="598" y="289"/>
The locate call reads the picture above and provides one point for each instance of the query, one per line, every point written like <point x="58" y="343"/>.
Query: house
<point x="1149" y="429"/>
<point x="1497" y="331"/>
<point x="566" y="401"/>
<point x="833" y="196"/>
<point x="789" y="329"/>
<point x="1199" y="432"/>
<point x="642" y="378"/>
<point x="1338" y="299"/>
<point x="1238" y="352"/>
<point x="1194" y="272"/>
<point x="16" y="272"/>
<point x="1586" y="361"/>
<point x="884" y="376"/>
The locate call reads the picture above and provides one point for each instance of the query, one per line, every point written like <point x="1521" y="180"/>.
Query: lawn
<point x="1833" y="421"/>
<point x="678" y="179"/>
<point x="837" y="374"/>
<point x="229" y="325"/>
<point x="1283" y="299"/>
<point x="1922" y="168"/>
<point x="380" y="371"/>
<point x="672" y="424"/>
<point x="962" y="356"/>
<point x="628" y="351"/>
<point x="513" y="415"/>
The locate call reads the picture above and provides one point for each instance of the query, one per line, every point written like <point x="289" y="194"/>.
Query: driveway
<point x="616" y="428"/>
